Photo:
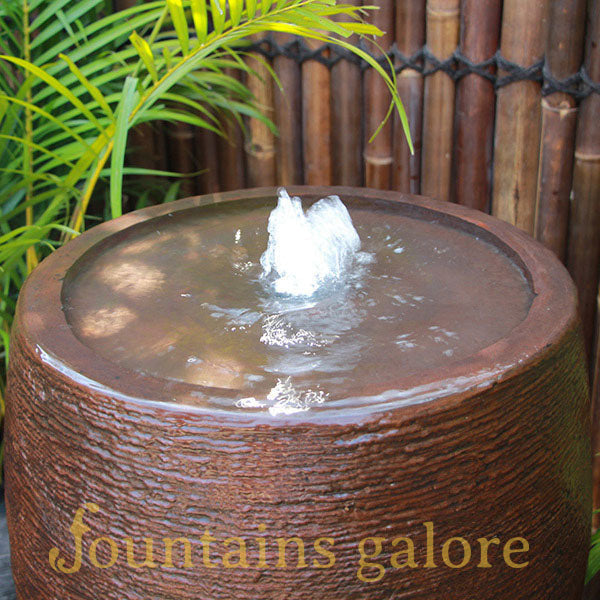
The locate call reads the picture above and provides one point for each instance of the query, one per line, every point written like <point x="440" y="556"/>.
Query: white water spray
<point x="307" y="250"/>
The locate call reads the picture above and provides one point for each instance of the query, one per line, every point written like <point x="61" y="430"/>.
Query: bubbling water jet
<point x="308" y="249"/>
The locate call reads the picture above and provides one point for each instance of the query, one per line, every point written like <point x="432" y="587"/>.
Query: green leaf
<point x="151" y="172"/>
<point x="361" y="28"/>
<point x="157" y="114"/>
<point x="236" y="7"/>
<point x="46" y="115"/>
<point x="104" y="32"/>
<point x="49" y="12"/>
<point x="124" y="111"/>
<point x="56" y="85"/>
<point x="49" y="30"/>
<point x="180" y="24"/>
<point x="172" y="192"/>
<point x="60" y="15"/>
<point x="218" y="15"/>
<point x="251" y="8"/>
<point x="6" y="346"/>
<point x="95" y="93"/>
<point x="145" y="52"/>
<point x="593" y="567"/>
<point x="391" y="84"/>
<point x="187" y="101"/>
<point x="200" y="18"/>
<point x="168" y="58"/>
<point x="35" y="146"/>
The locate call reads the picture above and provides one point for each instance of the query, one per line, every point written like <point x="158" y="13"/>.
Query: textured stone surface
<point x="508" y="457"/>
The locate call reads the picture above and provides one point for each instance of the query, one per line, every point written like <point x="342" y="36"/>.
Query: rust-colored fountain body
<point x="157" y="390"/>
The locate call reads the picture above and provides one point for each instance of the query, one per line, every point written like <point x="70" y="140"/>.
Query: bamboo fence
<point x="564" y="51"/>
<point x="378" y="154"/>
<point x="347" y="121"/>
<point x="182" y="149"/>
<point x="504" y="110"/>
<point x="442" y="25"/>
<point x="230" y="152"/>
<point x="288" y="105"/>
<point x="410" y="38"/>
<point x="583" y="255"/>
<point x="518" y="115"/>
<point x="316" y="121"/>
<point x="260" y="147"/>
<point x="476" y="106"/>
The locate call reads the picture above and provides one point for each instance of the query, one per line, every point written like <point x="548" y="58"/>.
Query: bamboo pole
<point x="559" y="122"/>
<point x="206" y="160"/>
<point x="260" y="147"/>
<point x="475" y="106"/>
<point x="316" y="121"/>
<point x="410" y="37"/>
<point x="564" y="51"/>
<point x="230" y="151"/>
<point x="378" y="154"/>
<point x="347" y="125"/>
<point x="442" y="38"/>
<point x="142" y="152"/>
<point x="288" y="107"/>
<point x="346" y="119"/>
<point x="160" y="146"/>
<point x="584" y="224"/>
<point x="518" y="115"/>
<point x="182" y="152"/>
<point x="583" y="253"/>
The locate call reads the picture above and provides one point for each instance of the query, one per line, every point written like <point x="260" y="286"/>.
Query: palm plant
<point x="594" y="558"/>
<point x="75" y="78"/>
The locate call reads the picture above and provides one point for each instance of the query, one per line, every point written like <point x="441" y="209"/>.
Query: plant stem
<point x="79" y="213"/>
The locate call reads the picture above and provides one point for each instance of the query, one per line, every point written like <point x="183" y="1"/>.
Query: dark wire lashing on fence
<point x="579" y="85"/>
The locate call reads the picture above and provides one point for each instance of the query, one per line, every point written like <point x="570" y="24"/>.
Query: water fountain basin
<point x="490" y="440"/>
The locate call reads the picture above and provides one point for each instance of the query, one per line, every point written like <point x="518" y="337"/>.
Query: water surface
<point x="180" y="297"/>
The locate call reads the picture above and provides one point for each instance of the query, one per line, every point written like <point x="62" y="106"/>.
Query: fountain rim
<point x="42" y="326"/>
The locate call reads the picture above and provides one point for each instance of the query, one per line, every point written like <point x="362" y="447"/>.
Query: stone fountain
<point x="377" y="397"/>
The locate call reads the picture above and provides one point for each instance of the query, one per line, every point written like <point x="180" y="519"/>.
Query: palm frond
<point x="74" y="80"/>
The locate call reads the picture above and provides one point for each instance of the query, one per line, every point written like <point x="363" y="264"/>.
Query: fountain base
<point x="366" y="494"/>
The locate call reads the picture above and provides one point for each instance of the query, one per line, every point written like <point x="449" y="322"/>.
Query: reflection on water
<point x="105" y="322"/>
<point x="181" y="297"/>
<point x="285" y="399"/>
<point x="132" y="278"/>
